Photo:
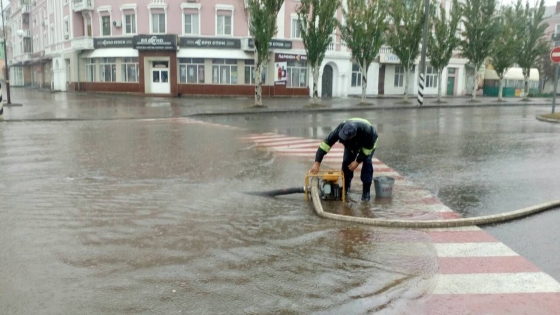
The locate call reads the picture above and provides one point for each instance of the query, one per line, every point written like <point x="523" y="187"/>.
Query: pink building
<point x="175" y="47"/>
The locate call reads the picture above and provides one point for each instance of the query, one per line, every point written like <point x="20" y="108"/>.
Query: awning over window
<point x="111" y="52"/>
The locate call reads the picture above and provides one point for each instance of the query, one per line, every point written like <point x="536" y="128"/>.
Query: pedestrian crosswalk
<point x="477" y="273"/>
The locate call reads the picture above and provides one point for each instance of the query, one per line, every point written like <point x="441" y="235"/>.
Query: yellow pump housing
<point x="330" y="176"/>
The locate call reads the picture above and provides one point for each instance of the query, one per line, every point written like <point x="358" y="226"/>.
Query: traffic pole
<point x="421" y="81"/>
<point x="555" y="87"/>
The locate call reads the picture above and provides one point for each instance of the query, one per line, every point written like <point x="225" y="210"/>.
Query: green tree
<point x="443" y="41"/>
<point x="262" y="16"/>
<point x="364" y="32"/>
<point x="546" y="69"/>
<point x="480" y="32"/>
<point x="317" y="22"/>
<point x="405" y="33"/>
<point x="504" y="51"/>
<point x="533" y="43"/>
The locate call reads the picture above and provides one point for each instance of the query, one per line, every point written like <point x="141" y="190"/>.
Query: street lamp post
<point x="7" y="75"/>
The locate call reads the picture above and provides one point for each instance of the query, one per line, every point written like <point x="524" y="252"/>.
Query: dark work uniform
<point x="360" y="149"/>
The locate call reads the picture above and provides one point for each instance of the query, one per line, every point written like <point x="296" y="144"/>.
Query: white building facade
<point x="185" y="47"/>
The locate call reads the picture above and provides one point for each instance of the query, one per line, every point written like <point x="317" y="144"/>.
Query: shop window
<point x="129" y="68"/>
<point x="108" y="69"/>
<point x="356" y="75"/>
<point x="431" y="77"/>
<point x="106" y="25"/>
<point x="224" y="71"/>
<point x="158" y="23"/>
<point x="90" y="70"/>
<point x="399" y="76"/>
<point x="250" y="72"/>
<point x="224" y="25"/>
<point x="130" y="23"/>
<point x="191" y="70"/>
<point x="297" y="74"/>
<point x="191" y="24"/>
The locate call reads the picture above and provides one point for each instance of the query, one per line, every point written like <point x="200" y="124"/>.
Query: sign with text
<point x="115" y="42"/>
<point x="389" y="58"/>
<point x="273" y="44"/>
<point x="155" y="42"/>
<point x="201" y="42"/>
<point x="289" y="57"/>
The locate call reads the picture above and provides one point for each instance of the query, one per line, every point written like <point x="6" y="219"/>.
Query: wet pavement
<point x="149" y="217"/>
<point x="44" y="105"/>
<point x="476" y="160"/>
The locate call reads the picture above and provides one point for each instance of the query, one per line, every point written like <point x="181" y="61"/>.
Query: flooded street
<point x="477" y="161"/>
<point x="150" y="217"/>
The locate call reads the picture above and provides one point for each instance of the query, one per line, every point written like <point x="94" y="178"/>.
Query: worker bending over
<point x="359" y="138"/>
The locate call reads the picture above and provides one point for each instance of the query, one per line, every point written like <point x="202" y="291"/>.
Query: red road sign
<point x="555" y="55"/>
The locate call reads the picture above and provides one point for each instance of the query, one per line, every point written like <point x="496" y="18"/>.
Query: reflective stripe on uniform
<point x="360" y="119"/>
<point x="325" y="147"/>
<point x="367" y="152"/>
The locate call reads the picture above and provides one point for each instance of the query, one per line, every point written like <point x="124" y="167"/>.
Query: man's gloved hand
<point x="315" y="168"/>
<point x="353" y="166"/>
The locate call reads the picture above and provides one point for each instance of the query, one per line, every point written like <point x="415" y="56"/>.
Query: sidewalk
<point x="38" y="105"/>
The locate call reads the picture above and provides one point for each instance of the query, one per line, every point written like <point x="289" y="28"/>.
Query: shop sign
<point x="116" y="42"/>
<point x="289" y="57"/>
<point x="280" y="71"/>
<point x="273" y="44"/>
<point x="155" y="42"/>
<point x="389" y="58"/>
<point x="203" y="42"/>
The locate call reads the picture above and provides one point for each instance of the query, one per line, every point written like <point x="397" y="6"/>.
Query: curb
<point x="355" y="108"/>
<point x="554" y="121"/>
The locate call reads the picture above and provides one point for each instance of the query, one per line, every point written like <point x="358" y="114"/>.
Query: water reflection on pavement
<point x="144" y="217"/>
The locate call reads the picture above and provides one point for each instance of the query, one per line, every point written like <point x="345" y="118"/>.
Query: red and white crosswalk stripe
<point x="185" y="120"/>
<point x="477" y="273"/>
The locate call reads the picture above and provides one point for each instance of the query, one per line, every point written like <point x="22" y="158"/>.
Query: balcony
<point x="82" y="43"/>
<point x="25" y="9"/>
<point x="82" y="5"/>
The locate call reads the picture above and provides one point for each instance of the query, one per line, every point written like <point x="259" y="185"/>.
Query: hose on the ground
<point x="482" y="220"/>
<point x="279" y="192"/>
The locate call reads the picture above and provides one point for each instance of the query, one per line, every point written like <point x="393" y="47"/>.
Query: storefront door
<point x="160" y="77"/>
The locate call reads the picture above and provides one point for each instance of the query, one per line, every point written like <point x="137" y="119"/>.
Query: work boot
<point x="365" y="192"/>
<point x="366" y="196"/>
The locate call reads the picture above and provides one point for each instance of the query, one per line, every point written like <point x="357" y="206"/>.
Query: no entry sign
<point x="555" y="55"/>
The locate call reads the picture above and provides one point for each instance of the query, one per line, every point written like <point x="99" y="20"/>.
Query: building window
<point x="108" y="69"/>
<point x="297" y="74"/>
<point x="191" y="24"/>
<point x="90" y="70"/>
<point x="130" y="24"/>
<point x="129" y="67"/>
<point x="106" y="25"/>
<point x="431" y="77"/>
<point x="27" y="45"/>
<point x="250" y="72"/>
<point x="191" y="70"/>
<point x="356" y="75"/>
<point x="296" y="31"/>
<point x="224" y="25"/>
<point x="557" y="29"/>
<point x="224" y="71"/>
<point x="399" y="76"/>
<point x="66" y="28"/>
<point x="158" y="23"/>
<point x="451" y="70"/>
<point x="51" y="38"/>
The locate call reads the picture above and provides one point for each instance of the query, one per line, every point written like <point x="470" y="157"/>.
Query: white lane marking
<point x="496" y="283"/>
<point x="453" y="229"/>
<point x="473" y="250"/>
